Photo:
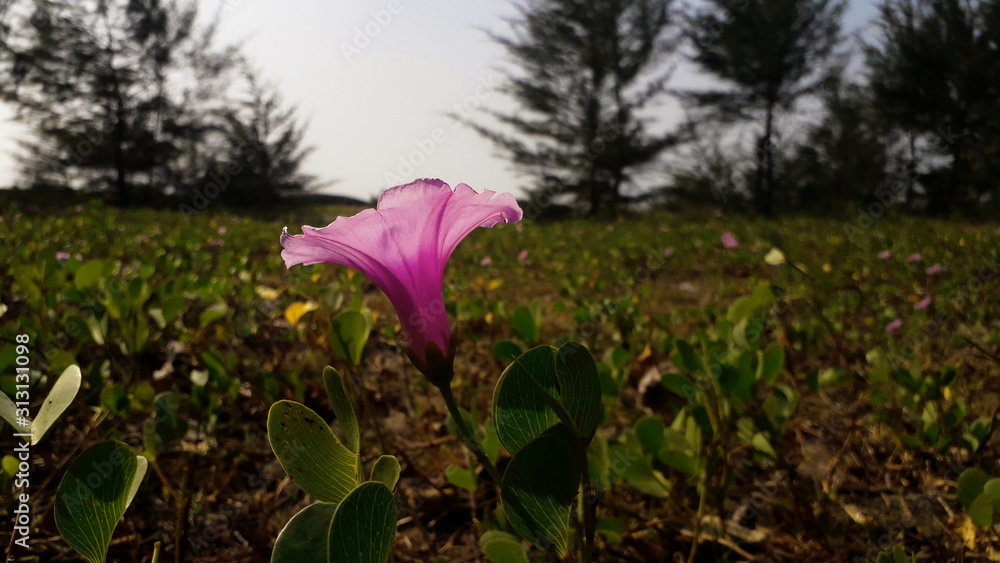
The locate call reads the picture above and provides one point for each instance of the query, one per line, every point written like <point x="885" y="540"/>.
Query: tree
<point x="263" y="149"/>
<point x="846" y="156"/>
<point x="116" y="91"/>
<point x="769" y="54"/>
<point x="934" y="72"/>
<point x="584" y="71"/>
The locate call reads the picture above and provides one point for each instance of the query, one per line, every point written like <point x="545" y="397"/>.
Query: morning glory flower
<point x="924" y="303"/>
<point x="885" y="255"/>
<point x="894" y="326"/>
<point x="403" y="246"/>
<point x="934" y="270"/>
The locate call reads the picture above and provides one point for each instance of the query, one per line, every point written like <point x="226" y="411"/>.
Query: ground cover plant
<point x="769" y="390"/>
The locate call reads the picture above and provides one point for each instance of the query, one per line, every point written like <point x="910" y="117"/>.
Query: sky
<point x="374" y="81"/>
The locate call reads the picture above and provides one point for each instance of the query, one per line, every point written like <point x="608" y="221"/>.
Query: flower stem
<point x="467" y="437"/>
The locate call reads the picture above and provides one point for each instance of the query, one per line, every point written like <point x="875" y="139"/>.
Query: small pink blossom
<point x="893" y="327"/>
<point x="885" y="255"/>
<point x="729" y="240"/>
<point x="924" y="303"/>
<point x="485" y="261"/>
<point x="78" y="256"/>
<point x="522" y="256"/>
<point x="754" y="249"/>
<point x="611" y="228"/>
<point x="62" y="255"/>
<point x="935" y="270"/>
<point x="669" y="251"/>
<point x="215" y="242"/>
<point x="78" y="208"/>
<point x="222" y="230"/>
<point x="915" y="257"/>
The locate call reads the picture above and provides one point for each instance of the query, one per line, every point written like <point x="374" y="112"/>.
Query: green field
<point x="836" y="405"/>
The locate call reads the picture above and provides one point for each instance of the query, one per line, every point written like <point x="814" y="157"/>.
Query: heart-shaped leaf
<point x="524" y="323"/>
<point x="305" y="537"/>
<point x="520" y="407"/>
<point x="310" y="453"/>
<point x="348" y="336"/>
<point x="93" y="495"/>
<point x="538" y="487"/>
<point x="970" y="485"/>
<point x="343" y="408"/>
<point x="60" y="398"/>
<point x="579" y="388"/>
<point x="386" y="471"/>
<point x="364" y="526"/>
<point x="543" y="387"/>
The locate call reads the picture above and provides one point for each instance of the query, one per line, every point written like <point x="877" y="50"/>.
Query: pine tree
<point x="934" y="72"/>
<point x="115" y="91"/>
<point x="769" y="54"/>
<point x="263" y="148"/>
<point x="584" y="71"/>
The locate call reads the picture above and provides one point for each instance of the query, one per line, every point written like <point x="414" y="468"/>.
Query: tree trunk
<point x="121" y="182"/>
<point x="767" y="154"/>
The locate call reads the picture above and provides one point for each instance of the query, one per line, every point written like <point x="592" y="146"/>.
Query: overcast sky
<point x="376" y="102"/>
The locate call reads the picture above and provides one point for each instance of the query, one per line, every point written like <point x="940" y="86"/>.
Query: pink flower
<point x="78" y="208"/>
<point x="62" y="255"/>
<point x="669" y="251"/>
<point x="222" y="230"/>
<point x="485" y="261"/>
<point x="885" y="255"/>
<point x="403" y="246"/>
<point x="915" y="257"/>
<point x="893" y="327"/>
<point x="522" y="256"/>
<point x="924" y="303"/>
<point x="934" y="270"/>
<point x="216" y="243"/>
<point x="729" y="240"/>
<point x="611" y="228"/>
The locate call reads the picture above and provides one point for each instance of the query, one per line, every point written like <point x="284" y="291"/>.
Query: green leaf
<point x="212" y="313"/>
<point x="461" y="477"/>
<point x="501" y="547"/>
<point x="520" y="410"/>
<point x="580" y="388"/>
<point x="970" y="485"/>
<point x="89" y="274"/>
<point x="305" y="537"/>
<point x="685" y="358"/>
<point x="60" y="398"/>
<point x="343" y="407"/>
<point x="678" y="384"/>
<point x="524" y="324"/>
<point x="538" y="487"/>
<point x="981" y="511"/>
<point x="310" y="453"/>
<point x="745" y="307"/>
<point x="364" y="526"/>
<point x="771" y="362"/>
<point x="649" y="431"/>
<point x="506" y="350"/>
<point x="348" y="336"/>
<point x="386" y="471"/>
<point x="93" y="496"/>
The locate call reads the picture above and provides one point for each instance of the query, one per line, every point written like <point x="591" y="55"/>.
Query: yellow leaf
<point x="494" y="284"/>
<point x="296" y="310"/>
<point x="645" y="354"/>
<point x="968" y="531"/>
<point x="314" y="278"/>
<point x="827" y="268"/>
<point x="489" y="318"/>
